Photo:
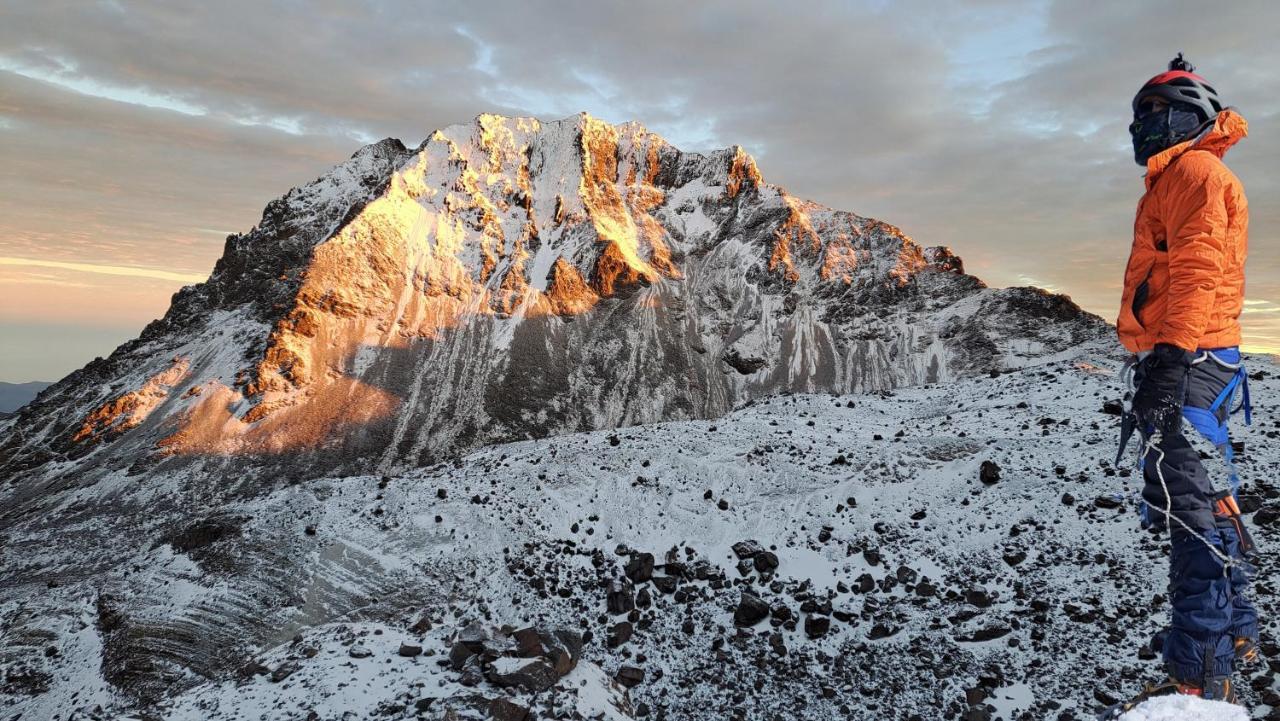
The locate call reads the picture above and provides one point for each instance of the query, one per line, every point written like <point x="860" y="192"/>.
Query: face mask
<point x="1162" y="129"/>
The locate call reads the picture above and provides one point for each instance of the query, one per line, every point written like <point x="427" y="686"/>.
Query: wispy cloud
<point x="1025" y="279"/>
<point x="102" y="269"/>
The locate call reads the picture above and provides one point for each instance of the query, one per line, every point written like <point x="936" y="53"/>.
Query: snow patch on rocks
<point x="1185" y="708"/>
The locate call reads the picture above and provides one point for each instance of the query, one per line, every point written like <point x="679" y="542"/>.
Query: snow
<point x="774" y="463"/>
<point x="1185" y="708"/>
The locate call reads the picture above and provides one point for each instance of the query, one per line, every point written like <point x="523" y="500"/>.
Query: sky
<point x="135" y="136"/>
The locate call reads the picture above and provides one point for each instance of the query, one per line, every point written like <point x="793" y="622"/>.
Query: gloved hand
<point x="1158" y="400"/>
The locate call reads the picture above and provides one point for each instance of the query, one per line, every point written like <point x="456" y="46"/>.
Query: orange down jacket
<point x="1184" y="283"/>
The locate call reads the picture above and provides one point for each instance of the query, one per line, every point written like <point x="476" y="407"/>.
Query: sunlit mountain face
<point x="509" y="279"/>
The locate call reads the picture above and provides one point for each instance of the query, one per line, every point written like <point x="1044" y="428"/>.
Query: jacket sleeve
<point x="1196" y="232"/>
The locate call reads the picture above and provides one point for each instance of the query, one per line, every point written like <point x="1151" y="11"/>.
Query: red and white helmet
<point x="1180" y="85"/>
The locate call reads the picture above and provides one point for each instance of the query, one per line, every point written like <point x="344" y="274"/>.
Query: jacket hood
<point x="1226" y="131"/>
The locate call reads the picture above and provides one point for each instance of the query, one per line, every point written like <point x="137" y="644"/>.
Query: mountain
<point x="473" y="398"/>
<point x="16" y="395"/>
<point x="899" y="575"/>
<point x="512" y="279"/>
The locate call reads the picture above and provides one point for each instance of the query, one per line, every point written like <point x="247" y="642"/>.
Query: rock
<point x="816" y="626"/>
<point x="751" y="610"/>
<point x="473" y="636"/>
<point x="1013" y="558"/>
<point x="503" y="709"/>
<point x="1250" y="502"/>
<point x="1113" y="407"/>
<point x="250" y="669"/>
<point x="202" y="534"/>
<point x="665" y="584"/>
<point x="925" y="589"/>
<point x="989" y="473"/>
<point x="621" y="597"/>
<point x="766" y="561"/>
<point x="459" y="653"/>
<point x="881" y="630"/>
<point x="409" y="650"/>
<point x="358" y="651"/>
<point x="563" y="648"/>
<point x="640" y="567"/>
<point x="630" y="676"/>
<point x="530" y="674"/>
<point x="1266" y="516"/>
<point x="619" y="634"/>
<point x="747" y="549"/>
<point x="528" y="642"/>
<point x="472" y="674"/>
<point x="987" y="633"/>
<point x="1107" y="502"/>
<point x="979" y="597"/>
<point x="1104" y="697"/>
<point x="283" y="671"/>
<point x="866" y="583"/>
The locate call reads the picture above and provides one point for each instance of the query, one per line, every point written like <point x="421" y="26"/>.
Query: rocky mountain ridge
<point x="510" y="279"/>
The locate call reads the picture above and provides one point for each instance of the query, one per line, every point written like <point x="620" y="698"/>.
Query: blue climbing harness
<point x="1205" y="420"/>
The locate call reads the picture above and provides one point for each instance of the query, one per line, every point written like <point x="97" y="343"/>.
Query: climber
<point x="1179" y="316"/>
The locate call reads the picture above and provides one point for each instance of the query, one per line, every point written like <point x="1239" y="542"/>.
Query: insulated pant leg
<point x="1244" y="617"/>
<point x="1202" y="594"/>
<point x="1207" y="380"/>
<point x="1200" y="640"/>
<point x="1185" y="488"/>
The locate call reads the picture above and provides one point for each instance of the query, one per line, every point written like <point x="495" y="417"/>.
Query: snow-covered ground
<point x="905" y="586"/>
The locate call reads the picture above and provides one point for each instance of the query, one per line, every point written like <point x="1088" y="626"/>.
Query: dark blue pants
<point x="1210" y="604"/>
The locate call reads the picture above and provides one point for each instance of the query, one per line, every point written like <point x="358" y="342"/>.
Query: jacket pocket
<point x="1140" y="296"/>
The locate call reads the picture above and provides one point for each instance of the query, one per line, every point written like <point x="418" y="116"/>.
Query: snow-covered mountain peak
<point x="513" y="278"/>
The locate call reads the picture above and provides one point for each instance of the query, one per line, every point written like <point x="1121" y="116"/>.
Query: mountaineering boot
<point x="1218" y="689"/>
<point x="1214" y="689"/>
<point x="1246" y="650"/>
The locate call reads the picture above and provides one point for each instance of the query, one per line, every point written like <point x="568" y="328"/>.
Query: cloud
<point x="130" y="271"/>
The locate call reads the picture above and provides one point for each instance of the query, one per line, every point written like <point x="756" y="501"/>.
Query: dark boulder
<point x="751" y="610"/>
